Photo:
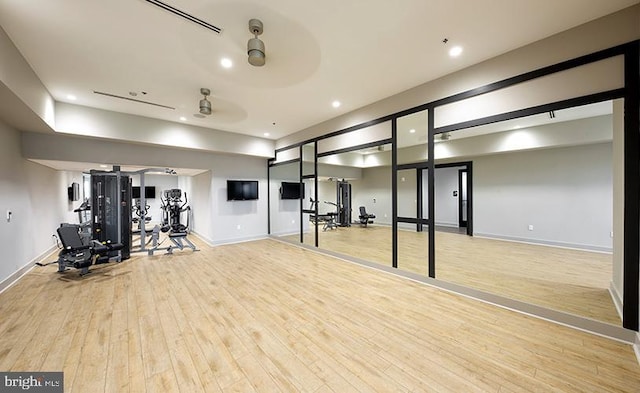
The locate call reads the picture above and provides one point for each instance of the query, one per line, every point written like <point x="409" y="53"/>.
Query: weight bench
<point x="328" y="220"/>
<point x="81" y="256"/>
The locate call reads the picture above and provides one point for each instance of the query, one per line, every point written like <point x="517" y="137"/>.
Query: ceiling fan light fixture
<point x="205" y="105"/>
<point x="255" y="47"/>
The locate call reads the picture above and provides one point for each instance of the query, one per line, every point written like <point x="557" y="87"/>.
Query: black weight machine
<point x="343" y="203"/>
<point x="75" y="253"/>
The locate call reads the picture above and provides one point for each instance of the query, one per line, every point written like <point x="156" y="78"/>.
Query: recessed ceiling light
<point x="183" y="118"/>
<point x="226" y="63"/>
<point x="455" y="51"/>
<point x="71" y="97"/>
<point x="336" y="104"/>
<point x="413" y="130"/>
<point x="266" y="134"/>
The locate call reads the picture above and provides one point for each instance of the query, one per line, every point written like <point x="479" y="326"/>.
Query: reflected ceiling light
<point x="455" y="51"/>
<point x="205" y="105"/>
<point x="255" y="47"/>
<point x="71" y="97"/>
<point x="266" y="134"/>
<point x="412" y="131"/>
<point x="336" y="104"/>
<point x="183" y="118"/>
<point x="226" y="63"/>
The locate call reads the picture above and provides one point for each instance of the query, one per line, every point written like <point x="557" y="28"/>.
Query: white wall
<point x="220" y="221"/>
<point x="37" y="197"/>
<point x="285" y="213"/>
<point x="565" y="193"/>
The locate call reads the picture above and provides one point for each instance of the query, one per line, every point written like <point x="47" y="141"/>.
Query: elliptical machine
<point x="172" y="209"/>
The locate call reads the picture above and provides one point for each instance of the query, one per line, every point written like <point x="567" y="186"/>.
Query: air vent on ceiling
<point x="185" y="15"/>
<point x="132" y="99"/>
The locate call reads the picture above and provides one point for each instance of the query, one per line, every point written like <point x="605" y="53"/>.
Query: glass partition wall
<point x="519" y="203"/>
<point x="542" y="197"/>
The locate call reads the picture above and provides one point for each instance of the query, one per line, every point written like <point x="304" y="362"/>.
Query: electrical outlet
<point x="9" y="213"/>
<point x="531" y="227"/>
<point x="238" y="227"/>
<point x="611" y="234"/>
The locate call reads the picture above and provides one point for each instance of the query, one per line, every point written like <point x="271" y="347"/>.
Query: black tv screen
<point x="149" y="192"/>
<point x="291" y="191"/>
<point x="242" y="190"/>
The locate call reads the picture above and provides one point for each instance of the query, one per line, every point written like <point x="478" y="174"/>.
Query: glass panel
<point x="356" y="138"/>
<point x="308" y="159"/>
<point x="542" y="190"/>
<point x="350" y="185"/>
<point x="309" y="220"/>
<point x="603" y="75"/>
<point x="288" y="155"/>
<point x="411" y="251"/>
<point x="285" y="212"/>
<point x="412" y="138"/>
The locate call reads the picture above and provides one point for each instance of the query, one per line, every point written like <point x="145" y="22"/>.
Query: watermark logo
<point x="32" y="382"/>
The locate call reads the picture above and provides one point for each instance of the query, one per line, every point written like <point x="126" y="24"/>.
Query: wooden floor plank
<point x="268" y="316"/>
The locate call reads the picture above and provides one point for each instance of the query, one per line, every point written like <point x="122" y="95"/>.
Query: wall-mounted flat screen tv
<point x="149" y="192"/>
<point x="242" y="190"/>
<point x="291" y="191"/>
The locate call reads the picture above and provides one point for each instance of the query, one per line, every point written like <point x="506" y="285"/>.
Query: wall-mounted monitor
<point x="149" y="192"/>
<point x="291" y="191"/>
<point x="242" y="190"/>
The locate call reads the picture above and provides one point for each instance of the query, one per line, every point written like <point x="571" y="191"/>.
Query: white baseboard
<point x="636" y="347"/>
<point x="542" y="242"/>
<point x="13" y="278"/>
<point x="617" y="299"/>
<point x="213" y="243"/>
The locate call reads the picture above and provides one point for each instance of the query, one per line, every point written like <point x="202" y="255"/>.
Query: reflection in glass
<point x="308" y="159"/>
<point x="348" y="181"/>
<point x="542" y="210"/>
<point x="412" y="138"/>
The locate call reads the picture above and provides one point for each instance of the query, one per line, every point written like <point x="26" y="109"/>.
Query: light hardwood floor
<point x="265" y="316"/>
<point x="571" y="281"/>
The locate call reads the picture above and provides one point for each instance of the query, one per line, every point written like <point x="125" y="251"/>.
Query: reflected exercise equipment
<point x="365" y="218"/>
<point x="343" y="203"/>
<point x="328" y="220"/>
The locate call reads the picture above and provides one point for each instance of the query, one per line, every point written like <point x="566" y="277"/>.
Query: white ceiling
<point x="354" y="51"/>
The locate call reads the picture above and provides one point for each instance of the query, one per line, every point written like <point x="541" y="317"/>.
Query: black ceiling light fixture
<point x="205" y="105"/>
<point x="255" y="47"/>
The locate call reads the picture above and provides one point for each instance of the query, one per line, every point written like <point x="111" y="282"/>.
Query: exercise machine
<point x="77" y="254"/>
<point x="172" y="212"/>
<point x="111" y="209"/>
<point x="343" y="203"/>
<point x="328" y="220"/>
<point x="365" y="218"/>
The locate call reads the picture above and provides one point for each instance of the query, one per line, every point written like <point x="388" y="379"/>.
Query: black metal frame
<point x="631" y="95"/>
